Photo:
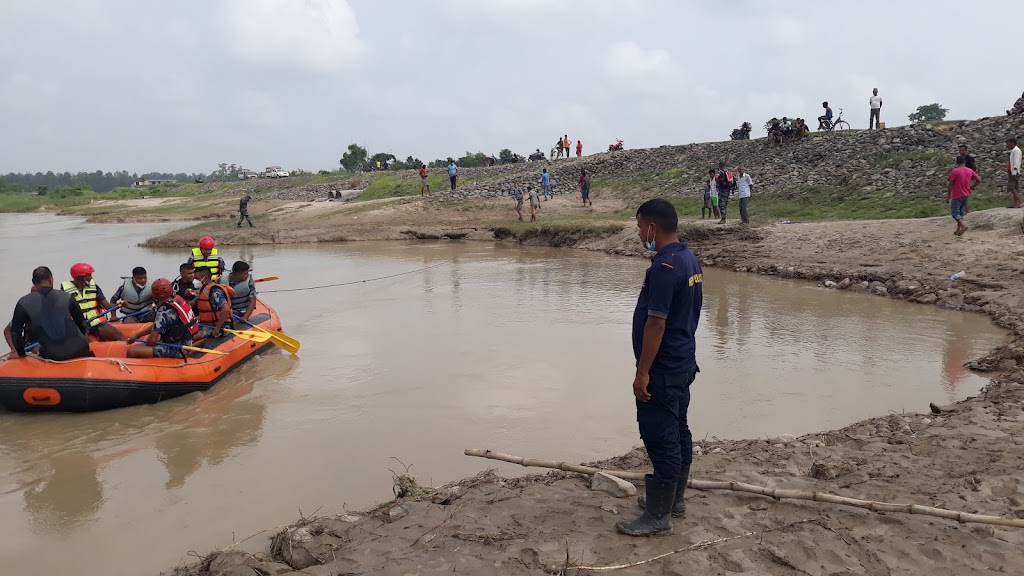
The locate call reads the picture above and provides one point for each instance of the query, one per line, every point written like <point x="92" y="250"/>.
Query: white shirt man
<point x="744" y="184"/>
<point x="876" y="109"/>
<point x="1013" y="172"/>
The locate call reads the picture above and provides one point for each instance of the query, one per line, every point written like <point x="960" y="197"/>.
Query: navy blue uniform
<point x="673" y="290"/>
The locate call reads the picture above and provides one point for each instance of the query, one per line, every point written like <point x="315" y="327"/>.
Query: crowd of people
<point x="719" y="186"/>
<point x="201" y="302"/>
<point x="965" y="178"/>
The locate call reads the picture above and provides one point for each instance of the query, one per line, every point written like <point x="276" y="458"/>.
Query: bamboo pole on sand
<point x="776" y="493"/>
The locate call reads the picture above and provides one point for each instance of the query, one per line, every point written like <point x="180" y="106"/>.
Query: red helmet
<point x="206" y="243"/>
<point x="162" y="288"/>
<point x="81" y="269"/>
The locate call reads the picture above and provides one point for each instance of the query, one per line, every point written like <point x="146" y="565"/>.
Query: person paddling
<point x="90" y="299"/>
<point x="174" y="323"/>
<point x="213" y="304"/>
<point x="136" y="296"/>
<point x="243" y="302"/>
<point x="54" y="318"/>
<point x="206" y="256"/>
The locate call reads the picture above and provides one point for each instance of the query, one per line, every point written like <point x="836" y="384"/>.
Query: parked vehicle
<point x="617" y="146"/>
<point x="536" y="156"/>
<point x="275" y="172"/>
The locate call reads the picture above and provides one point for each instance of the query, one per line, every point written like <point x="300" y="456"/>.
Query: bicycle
<point x="837" y="124"/>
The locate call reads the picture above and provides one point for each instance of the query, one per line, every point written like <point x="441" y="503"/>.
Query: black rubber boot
<point x="679" y="504"/>
<point x="657" y="519"/>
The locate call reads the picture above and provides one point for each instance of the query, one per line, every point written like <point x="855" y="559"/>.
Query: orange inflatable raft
<point x="111" y="380"/>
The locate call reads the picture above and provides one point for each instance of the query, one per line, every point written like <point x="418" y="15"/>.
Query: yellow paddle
<point x="280" y="340"/>
<point x="243" y="334"/>
<point x="267" y="279"/>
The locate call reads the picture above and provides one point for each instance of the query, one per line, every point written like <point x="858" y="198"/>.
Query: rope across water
<point x="358" y="281"/>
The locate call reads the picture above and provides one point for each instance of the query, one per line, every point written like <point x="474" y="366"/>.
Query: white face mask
<point x="649" y="244"/>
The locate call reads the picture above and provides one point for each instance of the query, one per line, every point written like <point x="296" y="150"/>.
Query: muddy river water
<point x="522" y="350"/>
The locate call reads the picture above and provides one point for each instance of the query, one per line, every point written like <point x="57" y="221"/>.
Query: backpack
<point x="724" y="180"/>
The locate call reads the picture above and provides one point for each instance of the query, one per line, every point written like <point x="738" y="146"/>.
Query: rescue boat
<point x="112" y="380"/>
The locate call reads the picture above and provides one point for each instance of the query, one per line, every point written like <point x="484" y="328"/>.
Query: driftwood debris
<point x="776" y="493"/>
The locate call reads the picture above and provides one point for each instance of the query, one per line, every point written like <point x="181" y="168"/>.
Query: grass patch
<point x="656" y="181"/>
<point x="936" y="158"/>
<point x="562" y="234"/>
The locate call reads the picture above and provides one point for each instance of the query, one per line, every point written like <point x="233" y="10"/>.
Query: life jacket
<point x="212" y="262"/>
<point x="52" y="326"/>
<point x="244" y="292"/>
<point x="88" y="300"/>
<point x="207" y="315"/>
<point x="184" y="327"/>
<point x="135" y="301"/>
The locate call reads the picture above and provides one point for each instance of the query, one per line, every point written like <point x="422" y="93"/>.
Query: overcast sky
<point x="183" y="85"/>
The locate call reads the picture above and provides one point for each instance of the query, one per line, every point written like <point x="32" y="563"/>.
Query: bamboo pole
<point x="776" y="493"/>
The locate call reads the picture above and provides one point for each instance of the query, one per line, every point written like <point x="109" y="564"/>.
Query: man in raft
<point x="186" y="285"/>
<point x="243" y="301"/>
<point x="205" y="256"/>
<point x="135" y="295"/>
<point x="664" y="324"/>
<point x="54" y="318"/>
<point x="90" y="298"/>
<point x="173" y="323"/>
<point x="213" y="304"/>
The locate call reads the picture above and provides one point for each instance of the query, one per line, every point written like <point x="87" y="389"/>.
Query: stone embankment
<point x="905" y="160"/>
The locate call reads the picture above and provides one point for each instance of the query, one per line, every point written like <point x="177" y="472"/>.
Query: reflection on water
<point x="523" y="350"/>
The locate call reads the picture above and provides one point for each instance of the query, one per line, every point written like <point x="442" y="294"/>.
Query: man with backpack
<point x="724" y="182"/>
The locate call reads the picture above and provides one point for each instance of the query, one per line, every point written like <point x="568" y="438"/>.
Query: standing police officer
<point x="664" y="327"/>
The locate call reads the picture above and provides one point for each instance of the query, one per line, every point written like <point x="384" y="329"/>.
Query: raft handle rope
<point x="358" y="281"/>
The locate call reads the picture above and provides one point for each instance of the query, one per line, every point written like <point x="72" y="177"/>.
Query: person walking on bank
<point x="453" y="173"/>
<point x="53" y="317"/>
<point x="664" y="344"/>
<point x="545" y="182"/>
<point x="745" y="187"/>
<point x="876" y="109"/>
<point x="961" y="180"/>
<point x="579" y="148"/>
<point x="724" y="182"/>
<point x="424" y="184"/>
<point x="1013" y="172"/>
<point x="243" y="210"/>
<point x="585" y="187"/>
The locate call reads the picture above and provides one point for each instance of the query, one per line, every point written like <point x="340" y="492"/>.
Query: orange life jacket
<point x="207" y="315"/>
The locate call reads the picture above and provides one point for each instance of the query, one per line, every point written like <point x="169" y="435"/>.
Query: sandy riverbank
<point x="963" y="458"/>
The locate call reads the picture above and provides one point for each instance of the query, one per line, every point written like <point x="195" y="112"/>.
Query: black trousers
<point x="663" y="426"/>
<point x="244" y="216"/>
<point x="452" y="178"/>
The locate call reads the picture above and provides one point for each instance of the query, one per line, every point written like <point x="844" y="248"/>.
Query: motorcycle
<point x="537" y="156"/>
<point x="615" y="147"/>
<point x="741" y="133"/>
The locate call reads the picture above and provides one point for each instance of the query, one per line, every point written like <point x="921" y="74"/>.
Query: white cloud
<point x="490" y="9"/>
<point x="648" y="71"/>
<point x="786" y="31"/>
<point x="310" y="35"/>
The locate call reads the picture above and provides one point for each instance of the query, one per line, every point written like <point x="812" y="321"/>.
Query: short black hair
<point x="712" y="171"/>
<point x="961" y="160"/>
<point x="138" y="271"/>
<point x="661" y="212"/>
<point x="40" y="275"/>
<point x="204" y="270"/>
<point x="1012" y="140"/>
<point x="186" y="266"/>
<point x="240" y="266"/>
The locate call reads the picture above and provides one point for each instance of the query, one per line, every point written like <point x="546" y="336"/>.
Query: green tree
<point x="381" y="157"/>
<point x="355" y="159"/>
<point x="929" y="113"/>
<point x="42" y="190"/>
<point x="472" y="160"/>
<point x="505" y="155"/>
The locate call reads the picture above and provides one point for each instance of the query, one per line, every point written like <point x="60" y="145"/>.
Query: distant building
<point x="152" y="182"/>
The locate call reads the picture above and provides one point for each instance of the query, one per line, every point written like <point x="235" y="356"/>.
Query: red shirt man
<point x="961" y="180"/>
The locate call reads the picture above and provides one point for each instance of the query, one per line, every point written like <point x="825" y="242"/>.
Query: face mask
<point x="649" y="244"/>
